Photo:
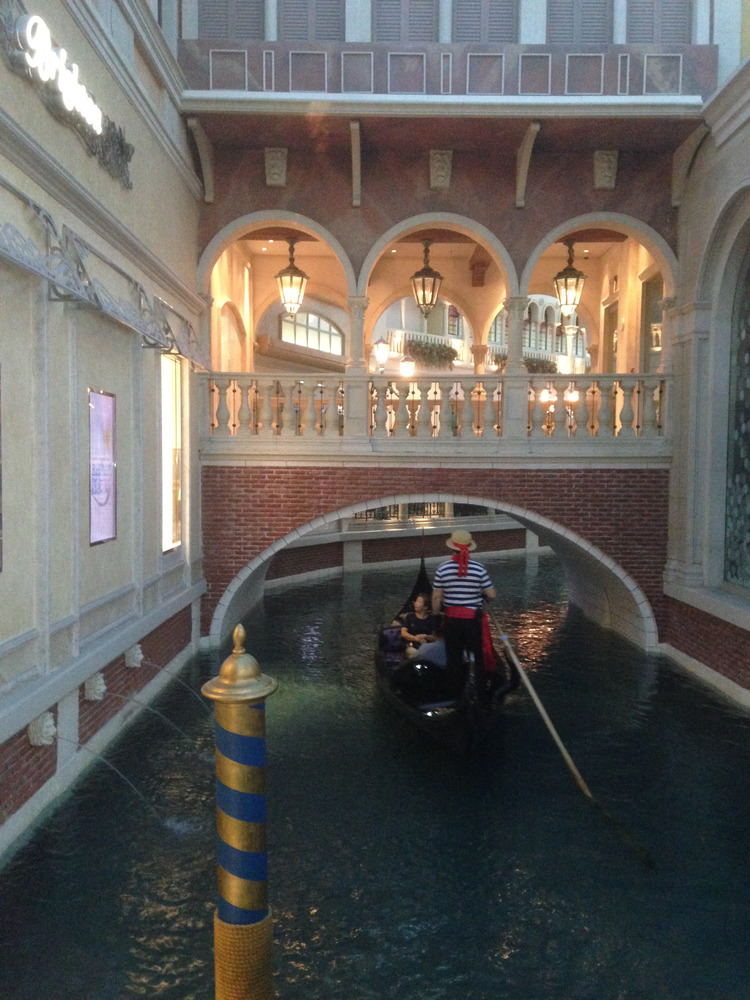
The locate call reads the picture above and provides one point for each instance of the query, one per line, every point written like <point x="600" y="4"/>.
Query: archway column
<point x="516" y="308"/>
<point x="687" y="336"/>
<point x="479" y="353"/>
<point x="356" y="401"/>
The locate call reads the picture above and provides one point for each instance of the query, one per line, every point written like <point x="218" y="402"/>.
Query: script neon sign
<point x="49" y="64"/>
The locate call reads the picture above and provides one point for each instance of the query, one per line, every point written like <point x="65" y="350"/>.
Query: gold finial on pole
<point x="243" y="931"/>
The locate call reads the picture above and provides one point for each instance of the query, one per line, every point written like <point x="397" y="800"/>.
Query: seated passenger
<point x="420" y="625"/>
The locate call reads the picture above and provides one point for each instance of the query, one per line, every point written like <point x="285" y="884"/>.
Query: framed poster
<point x="102" y="467"/>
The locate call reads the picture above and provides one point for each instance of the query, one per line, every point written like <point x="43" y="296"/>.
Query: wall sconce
<point x="569" y="284"/>
<point x="382" y="349"/>
<point x="292" y="283"/>
<point x="406" y="366"/>
<point x="426" y="283"/>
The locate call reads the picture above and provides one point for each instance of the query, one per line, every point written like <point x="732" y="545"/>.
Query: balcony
<point x="515" y="71"/>
<point x="448" y="420"/>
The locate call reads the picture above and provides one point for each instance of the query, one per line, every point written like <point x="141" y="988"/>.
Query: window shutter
<point x="422" y="24"/>
<point x="502" y="21"/>
<point x="641" y="22"/>
<point x="213" y="19"/>
<point x="560" y="23"/>
<point x="293" y="21"/>
<point x="467" y="21"/>
<point x="676" y="16"/>
<point x="386" y="20"/>
<point x="250" y="22"/>
<point x="596" y="22"/>
<point x="329" y="21"/>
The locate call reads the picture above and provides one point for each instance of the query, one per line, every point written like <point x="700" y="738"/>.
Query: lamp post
<point x="292" y="283"/>
<point x="426" y="283"/>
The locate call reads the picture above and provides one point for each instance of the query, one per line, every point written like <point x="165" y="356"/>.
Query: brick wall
<point x="621" y="511"/>
<point x="23" y="769"/>
<point x="723" y="647"/>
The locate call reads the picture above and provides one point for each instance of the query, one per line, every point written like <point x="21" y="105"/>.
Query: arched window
<point x="308" y="329"/>
<point x="737" y="518"/>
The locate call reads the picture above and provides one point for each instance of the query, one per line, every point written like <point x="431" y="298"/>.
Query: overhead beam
<point x="206" y="156"/>
<point x="523" y="159"/>
<point x="356" y="164"/>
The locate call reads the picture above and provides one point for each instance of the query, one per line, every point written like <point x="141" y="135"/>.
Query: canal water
<point x="395" y="869"/>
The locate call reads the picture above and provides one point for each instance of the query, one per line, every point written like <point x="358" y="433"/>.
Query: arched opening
<point x="597" y="585"/>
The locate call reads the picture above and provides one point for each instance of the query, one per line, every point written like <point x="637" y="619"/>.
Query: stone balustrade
<point x="448" y="416"/>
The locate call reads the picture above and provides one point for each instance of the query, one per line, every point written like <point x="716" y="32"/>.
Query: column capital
<point x="357" y="305"/>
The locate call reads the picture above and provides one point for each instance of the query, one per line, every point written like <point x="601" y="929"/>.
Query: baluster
<point x="498" y="403"/>
<point x="222" y="410"/>
<point x="403" y="417"/>
<point x="585" y="410"/>
<point x="298" y="406"/>
<point x="536" y="416"/>
<point x="447" y="412"/>
<point x="265" y="410"/>
<point x="455" y="402"/>
<point x="626" y="413"/>
<point x="278" y="408"/>
<point x="234" y="402"/>
<point x="650" y="414"/>
<point x="244" y="416"/>
<point x="311" y="412"/>
<point x="380" y="419"/>
<point x="488" y="417"/>
<point x="213" y="402"/>
<point x="605" y="413"/>
<point x="423" y="416"/>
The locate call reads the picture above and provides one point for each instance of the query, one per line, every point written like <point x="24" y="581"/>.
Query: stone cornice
<point x="421" y="105"/>
<point x="37" y="164"/>
<point x="163" y="64"/>
<point x="728" y="110"/>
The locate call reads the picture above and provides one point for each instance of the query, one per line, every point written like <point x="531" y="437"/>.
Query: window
<point x="485" y="22"/>
<point x="659" y="22"/>
<point x="171" y="454"/>
<point x="405" y="21"/>
<point x="232" y="19"/>
<point x="311" y="20"/>
<point x="579" y="22"/>
<point x="313" y="332"/>
<point x="737" y="515"/>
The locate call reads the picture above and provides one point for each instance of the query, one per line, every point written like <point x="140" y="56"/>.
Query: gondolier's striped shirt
<point x="462" y="591"/>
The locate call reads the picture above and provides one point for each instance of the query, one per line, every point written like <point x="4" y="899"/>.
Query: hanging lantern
<point x="292" y="283"/>
<point x="569" y="284"/>
<point x="426" y="283"/>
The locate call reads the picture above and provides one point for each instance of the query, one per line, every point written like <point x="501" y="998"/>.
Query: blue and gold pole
<point x="243" y="933"/>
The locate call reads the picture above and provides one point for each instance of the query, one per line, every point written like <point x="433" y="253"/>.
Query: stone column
<point x="356" y="401"/>
<point x="479" y="353"/>
<point x="516" y="309"/>
<point x="357" y="359"/>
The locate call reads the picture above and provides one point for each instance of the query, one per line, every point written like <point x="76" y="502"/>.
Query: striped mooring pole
<point x="243" y="930"/>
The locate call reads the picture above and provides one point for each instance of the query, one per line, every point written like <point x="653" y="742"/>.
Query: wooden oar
<point x="525" y="680"/>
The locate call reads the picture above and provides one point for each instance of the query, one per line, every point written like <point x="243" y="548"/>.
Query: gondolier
<point x="459" y="587"/>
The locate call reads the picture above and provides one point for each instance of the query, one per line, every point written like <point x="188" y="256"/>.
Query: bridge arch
<point x="597" y="585"/>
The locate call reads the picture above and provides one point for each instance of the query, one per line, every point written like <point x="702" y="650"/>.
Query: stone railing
<point x="621" y="415"/>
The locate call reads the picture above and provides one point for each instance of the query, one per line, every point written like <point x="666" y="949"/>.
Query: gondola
<point x="415" y="688"/>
